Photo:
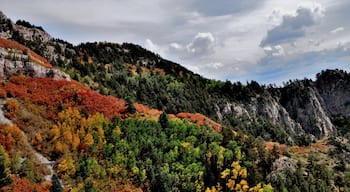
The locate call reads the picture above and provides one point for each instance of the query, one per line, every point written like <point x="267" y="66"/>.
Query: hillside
<point x="117" y="117"/>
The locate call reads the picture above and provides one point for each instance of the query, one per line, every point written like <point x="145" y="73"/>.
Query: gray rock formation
<point x="334" y="88"/>
<point x="306" y="106"/>
<point x="5" y="26"/>
<point x="300" y="109"/>
<point x="269" y="108"/>
<point x="33" y="34"/>
<point x="3" y="119"/>
<point x="227" y="108"/>
<point x="279" y="168"/>
<point x="14" y="62"/>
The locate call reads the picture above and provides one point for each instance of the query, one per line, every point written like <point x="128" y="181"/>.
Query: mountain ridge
<point x="72" y="114"/>
<point x="83" y="61"/>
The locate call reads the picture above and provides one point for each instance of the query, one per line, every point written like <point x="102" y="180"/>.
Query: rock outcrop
<point x="269" y="108"/>
<point x="230" y="108"/>
<point x="300" y="108"/>
<point x="15" y="62"/>
<point x="3" y="120"/>
<point x="280" y="167"/>
<point x="306" y="106"/>
<point x="5" y="26"/>
<point x="334" y="87"/>
<point x="33" y="34"/>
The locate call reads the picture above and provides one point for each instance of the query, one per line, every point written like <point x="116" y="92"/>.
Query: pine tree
<point x="131" y="108"/>
<point x="164" y="120"/>
<point x="56" y="185"/>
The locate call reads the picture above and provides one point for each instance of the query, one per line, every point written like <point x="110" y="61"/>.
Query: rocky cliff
<point x="305" y="104"/>
<point x="37" y="39"/>
<point x="19" y="62"/>
<point x="300" y="106"/>
<point x="334" y="87"/>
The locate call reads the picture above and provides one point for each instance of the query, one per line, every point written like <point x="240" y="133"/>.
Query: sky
<point x="268" y="41"/>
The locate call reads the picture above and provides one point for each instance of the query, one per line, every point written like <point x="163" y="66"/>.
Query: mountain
<point x="117" y="117"/>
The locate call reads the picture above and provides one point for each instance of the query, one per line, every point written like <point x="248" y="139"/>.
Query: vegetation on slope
<point x="104" y="143"/>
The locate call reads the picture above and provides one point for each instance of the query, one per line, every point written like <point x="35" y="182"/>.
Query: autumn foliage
<point x="12" y="107"/>
<point x="146" y="111"/>
<point x="11" y="44"/>
<point x="10" y="135"/>
<point x="23" y="184"/>
<point x="200" y="120"/>
<point x="60" y="94"/>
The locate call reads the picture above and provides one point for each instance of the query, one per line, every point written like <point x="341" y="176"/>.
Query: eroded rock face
<point x="3" y="119"/>
<point x="9" y="68"/>
<point x="33" y="34"/>
<point x="299" y="109"/>
<point x="334" y="88"/>
<point x="265" y="106"/>
<point x="269" y="108"/>
<point x="279" y="168"/>
<point x="5" y="26"/>
<point x="227" y="108"/>
<point x="19" y="64"/>
<point x="306" y="106"/>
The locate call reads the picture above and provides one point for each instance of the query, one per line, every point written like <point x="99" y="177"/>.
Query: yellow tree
<point x="66" y="167"/>
<point x="235" y="177"/>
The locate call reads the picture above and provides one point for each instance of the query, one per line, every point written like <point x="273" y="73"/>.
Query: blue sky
<point x="269" y="41"/>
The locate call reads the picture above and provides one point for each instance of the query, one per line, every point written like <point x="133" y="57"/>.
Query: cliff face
<point x="334" y="87"/>
<point x="9" y="30"/>
<point x="302" y="106"/>
<point x="5" y="26"/>
<point x="17" y="62"/>
<point x="40" y="40"/>
<point x="269" y="108"/>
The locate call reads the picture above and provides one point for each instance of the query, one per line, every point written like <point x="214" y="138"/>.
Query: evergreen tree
<point x="56" y="185"/>
<point x="131" y="108"/>
<point x="163" y="120"/>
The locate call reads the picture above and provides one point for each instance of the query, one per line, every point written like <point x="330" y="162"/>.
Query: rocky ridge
<point x="17" y="62"/>
<point x="300" y="106"/>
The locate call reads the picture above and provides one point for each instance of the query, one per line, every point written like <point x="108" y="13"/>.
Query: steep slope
<point x="128" y="71"/>
<point x="44" y="110"/>
<point x="103" y="143"/>
<point x="313" y="119"/>
<point x="16" y="59"/>
<point x="334" y="87"/>
<point x="305" y="104"/>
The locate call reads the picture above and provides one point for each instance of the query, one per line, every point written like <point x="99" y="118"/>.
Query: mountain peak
<point x="2" y="16"/>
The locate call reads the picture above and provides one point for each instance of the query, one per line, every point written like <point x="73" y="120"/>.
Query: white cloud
<point x="176" y="46"/>
<point x="337" y="30"/>
<point x="153" y="47"/>
<point x="275" y="51"/>
<point x="264" y="40"/>
<point x="201" y="44"/>
<point x="293" y="26"/>
<point x="215" y="65"/>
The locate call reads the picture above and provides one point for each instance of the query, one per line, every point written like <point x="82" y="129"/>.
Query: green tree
<point x="130" y="106"/>
<point x="27" y="170"/>
<point x="164" y="120"/>
<point x="4" y="170"/>
<point x="56" y="185"/>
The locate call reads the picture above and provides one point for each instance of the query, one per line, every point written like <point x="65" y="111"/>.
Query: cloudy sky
<point x="269" y="41"/>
